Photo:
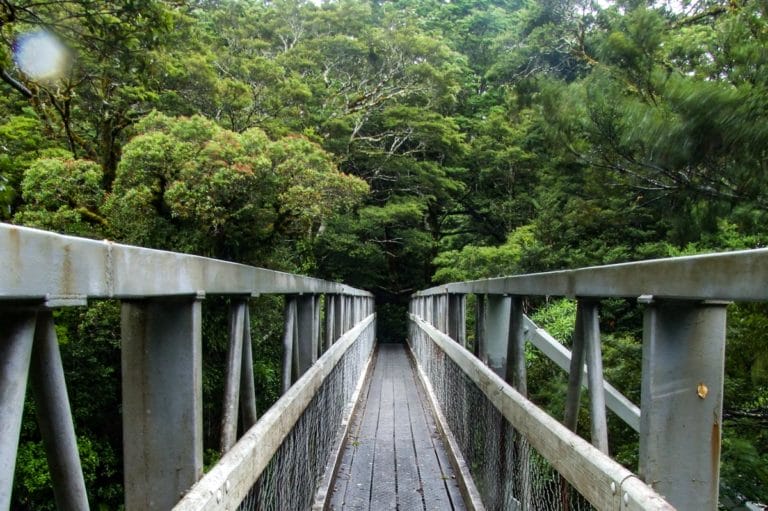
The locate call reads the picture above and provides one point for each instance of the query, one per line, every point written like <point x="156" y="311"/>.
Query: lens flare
<point x="40" y="55"/>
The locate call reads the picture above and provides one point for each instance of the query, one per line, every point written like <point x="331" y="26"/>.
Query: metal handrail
<point x="58" y="269"/>
<point x="737" y="276"/>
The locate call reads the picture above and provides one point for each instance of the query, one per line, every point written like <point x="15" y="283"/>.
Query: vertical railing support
<point x="248" y="409"/>
<point x="17" y="330"/>
<point x="55" y="417"/>
<point x="575" y="373"/>
<point x="233" y="374"/>
<point x="516" y="376"/>
<point x="480" y="328"/>
<point x="497" y="333"/>
<point x="682" y="400"/>
<point x="162" y="400"/>
<point x="516" y="372"/>
<point x="457" y="321"/>
<point x="338" y="319"/>
<point x="316" y="330"/>
<point x="330" y="320"/>
<point x="594" y="355"/>
<point x="308" y="339"/>
<point x="289" y="333"/>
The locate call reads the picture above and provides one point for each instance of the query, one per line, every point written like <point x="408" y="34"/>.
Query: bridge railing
<point x="161" y="295"/>
<point x="679" y="419"/>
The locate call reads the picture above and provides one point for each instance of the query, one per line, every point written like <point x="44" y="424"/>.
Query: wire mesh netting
<point x="508" y="472"/>
<point x="291" y="478"/>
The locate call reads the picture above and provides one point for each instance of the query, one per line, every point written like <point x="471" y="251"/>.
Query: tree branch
<point x="20" y="87"/>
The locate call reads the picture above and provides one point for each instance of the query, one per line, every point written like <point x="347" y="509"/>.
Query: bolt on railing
<point x="161" y="328"/>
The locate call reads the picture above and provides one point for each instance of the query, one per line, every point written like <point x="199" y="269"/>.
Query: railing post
<point x="444" y="308"/>
<point x="480" y="325"/>
<point x="317" y="331"/>
<point x="347" y="316"/>
<point x="432" y="309"/>
<point x="233" y="374"/>
<point x="682" y="400"/>
<point x="457" y="322"/>
<point x="497" y="333"/>
<point x="594" y="355"/>
<point x="330" y="320"/>
<point x="247" y="387"/>
<point x="575" y="373"/>
<point x="55" y="417"/>
<point x="307" y="347"/>
<point x="17" y="330"/>
<point x="516" y="376"/>
<point x="289" y="333"/>
<point x="162" y="400"/>
<point x="516" y="372"/>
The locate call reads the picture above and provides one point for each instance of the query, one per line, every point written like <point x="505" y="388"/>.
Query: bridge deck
<point x="394" y="458"/>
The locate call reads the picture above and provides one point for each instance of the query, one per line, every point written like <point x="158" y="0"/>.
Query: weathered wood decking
<point x="394" y="458"/>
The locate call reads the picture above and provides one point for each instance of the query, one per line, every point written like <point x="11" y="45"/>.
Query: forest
<point x="391" y="145"/>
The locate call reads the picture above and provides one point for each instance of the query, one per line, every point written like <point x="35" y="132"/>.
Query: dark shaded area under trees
<point x="393" y="145"/>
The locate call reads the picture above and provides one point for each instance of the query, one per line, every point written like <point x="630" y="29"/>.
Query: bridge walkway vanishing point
<point x="505" y="452"/>
<point x="394" y="456"/>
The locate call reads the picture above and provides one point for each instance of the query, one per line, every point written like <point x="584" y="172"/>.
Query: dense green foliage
<point x="393" y="144"/>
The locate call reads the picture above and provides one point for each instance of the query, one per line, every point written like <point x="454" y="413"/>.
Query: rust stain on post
<point x="715" y="449"/>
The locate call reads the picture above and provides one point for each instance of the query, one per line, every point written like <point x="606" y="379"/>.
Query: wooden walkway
<point x="394" y="458"/>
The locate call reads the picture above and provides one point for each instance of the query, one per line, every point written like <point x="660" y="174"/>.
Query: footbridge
<point x="435" y="423"/>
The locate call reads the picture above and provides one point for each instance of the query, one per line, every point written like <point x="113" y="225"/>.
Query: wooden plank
<point x="383" y="483"/>
<point x="424" y="435"/>
<point x="394" y="463"/>
<point x="409" y="488"/>
<point x="358" y="493"/>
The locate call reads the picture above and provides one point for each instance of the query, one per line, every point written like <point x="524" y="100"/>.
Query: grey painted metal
<point x="162" y="400"/>
<point x="317" y="340"/>
<point x="233" y="375"/>
<point x="454" y="311"/>
<point x="462" y="320"/>
<point x="289" y="332"/>
<point x="64" y="270"/>
<point x="453" y="317"/>
<point x="350" y="313"/>
<point x="575" y="372"/>
<point x="497" y="333"/>
<point x="594" y="356"/>
<point x="330" y="317"/>
<point x="701" y="277"/>
<point x="306" y="354"/>
<point x="604" y="482"/>
<point x="559" y="354"/>
<point x="248" y="409"/>
<point x="54" y="418"/>
<point x="17" y="330"/>
<point x="480" y="322"/>
<point x="338" y="321"/>
<point x="516" y="373"/>
<point x="445" y="307"/>
<point x="227" y="483"/>
<point x="682" y="401"/>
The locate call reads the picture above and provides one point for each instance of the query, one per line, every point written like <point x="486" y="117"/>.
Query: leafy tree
<point x="187" y="184"/>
